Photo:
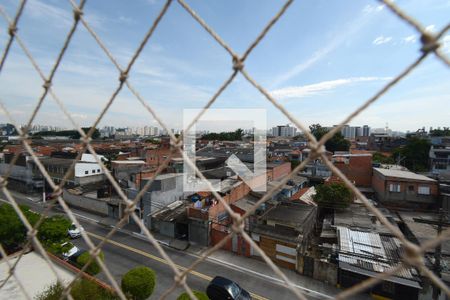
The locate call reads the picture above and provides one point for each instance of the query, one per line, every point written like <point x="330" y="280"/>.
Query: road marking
<point x="161" y="260"/>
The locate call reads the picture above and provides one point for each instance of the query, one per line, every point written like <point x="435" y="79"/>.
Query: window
<point x="424" y="190"/>
<point x="93" y="171"/>
<point x="98" y="170"/>
<point x="86" y="172"/>
<point x="394" y="187"/>
<point x="411" y="188"/>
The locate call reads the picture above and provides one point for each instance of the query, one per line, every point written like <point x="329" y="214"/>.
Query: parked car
<point x="74" y="231"/>
<point x="221" y="288"/>
<point x="68" y="249"/>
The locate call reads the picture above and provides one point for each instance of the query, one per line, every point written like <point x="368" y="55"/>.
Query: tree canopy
<point x="139" y="282"/>
<point x="94" y="267"/>
<point x="225" y="136"/>
<point x="12" y="231"/>
<point x="415" y="154"/>
<point x="73" y="134"/>
<point x="336" y="143"/>
<point x="334" y="195"/>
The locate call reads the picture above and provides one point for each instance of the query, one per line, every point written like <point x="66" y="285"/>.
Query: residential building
<point x="356" y="167"/>
<point x="440" y="157"/>
<point x="404" y="188"/>
<point x="362" y="255"/>
<point x="284" y="130"/>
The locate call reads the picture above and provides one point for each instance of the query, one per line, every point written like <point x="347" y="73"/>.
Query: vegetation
<point x="294" y="164"/>
<point x="54" y="230"/>
<point x="440" y="132"/>
<point x="224" y="136"/>
<point x="335" y="196"/>
<point x="199" y="295"/>
<point x="12" y="231"/>
<point x="93" y="268"/>
<point x="83" y="289"/>
<point x="73" y="134"/>
<point x="336" y="143"/>
<point x="379" y="157"/>
<point x="414" y="155"/>
<point x="139" y="282"/>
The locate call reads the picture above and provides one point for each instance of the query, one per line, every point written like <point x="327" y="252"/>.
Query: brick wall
<point x="358" y="169"/>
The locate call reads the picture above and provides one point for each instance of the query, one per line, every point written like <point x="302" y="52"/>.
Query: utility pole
<point x="438" y="250"/>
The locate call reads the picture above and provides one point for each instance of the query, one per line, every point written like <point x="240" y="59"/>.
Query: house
<point x="356" y="167"/>
<point x="164" y="190"/>
<point x="284" y="231"/>
<point x="361" y="255"/>
<point x="404" y="188"/>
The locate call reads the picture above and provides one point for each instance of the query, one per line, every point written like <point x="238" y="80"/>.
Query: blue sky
<point x="321" y="60"/>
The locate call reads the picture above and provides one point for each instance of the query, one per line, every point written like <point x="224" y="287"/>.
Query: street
<point x="125" y="251"/>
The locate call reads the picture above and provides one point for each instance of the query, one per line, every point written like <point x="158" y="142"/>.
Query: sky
<point x="320" y="61"/>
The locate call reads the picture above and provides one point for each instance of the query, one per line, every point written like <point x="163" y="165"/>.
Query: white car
<point x="74" y="231"/>
<point x="69" y="249"/>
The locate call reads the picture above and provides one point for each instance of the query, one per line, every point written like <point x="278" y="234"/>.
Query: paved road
<point x="124" y="252"/>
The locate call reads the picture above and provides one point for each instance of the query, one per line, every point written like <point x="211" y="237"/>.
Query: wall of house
<point x="358" y="169"/>
<point x="278" y="253"/>
<point x="90" y="168"/>
<point x="281" y="170"/>
<point x="199" y="232"/>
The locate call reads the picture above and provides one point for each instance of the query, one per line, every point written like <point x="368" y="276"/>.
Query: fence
<point x="413" y="254"/>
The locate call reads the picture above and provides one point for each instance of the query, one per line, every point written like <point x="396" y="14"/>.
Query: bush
<point x="82" y="290"/>
<point x="199" y="295"/>
<point x="139" y="282"/>
<point x="93" y="268"/>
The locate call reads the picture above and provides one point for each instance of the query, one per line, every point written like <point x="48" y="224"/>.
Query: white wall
<point x="87" y="157"/>
<point x="81" y="168"/>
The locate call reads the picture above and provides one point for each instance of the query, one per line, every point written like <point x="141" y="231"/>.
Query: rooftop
<point x="403" y="174"/>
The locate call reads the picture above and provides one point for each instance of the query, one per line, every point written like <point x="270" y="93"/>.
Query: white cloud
<point x="430" y="28"/>
<point x="369" y="8"/>
<point x="409" y="39"/>
<point x="321" y="87"/>
<point x="382" y="40"/>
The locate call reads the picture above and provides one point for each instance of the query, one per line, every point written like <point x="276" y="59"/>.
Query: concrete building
<point x="404" y="188"/>
<point x="284" y="130"/>
<point x="440" y="157"/>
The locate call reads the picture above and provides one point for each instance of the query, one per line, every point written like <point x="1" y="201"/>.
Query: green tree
<point x="93" y="268"/>
<point x="225" y="136"/>
<point x="139" y="282"/>
<point x="379" y="157"/>
<point x="54" y="230"/>
<point x="335" y="196"/>
<point x="199" y="295"/>
<point x="415" y="154"/>
<point x="336" y="143"/>
<point x="12" y="231"/>
<point x="82" y="289"/>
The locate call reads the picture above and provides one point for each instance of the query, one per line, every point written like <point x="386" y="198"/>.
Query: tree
<point x="139" y="282"/>
<point x="379" y="157"/>
<point x="93" y="268"/>
<point x="334" y="195"/>
<point x="224" y="136"/>
<point x="336" y="143"/>
<point x="54" y="230"/>
<point x="12" y="231"/>
<point x="199" y="295"/>
<point x="415" y="154"/>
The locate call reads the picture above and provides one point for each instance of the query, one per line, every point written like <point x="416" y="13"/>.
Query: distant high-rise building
<point x="365" y="130"/>
<point x="284" y="130"/>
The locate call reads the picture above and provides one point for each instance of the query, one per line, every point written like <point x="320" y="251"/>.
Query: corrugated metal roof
<point x="370" y="251"/>
<point x="403" y="174"/>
